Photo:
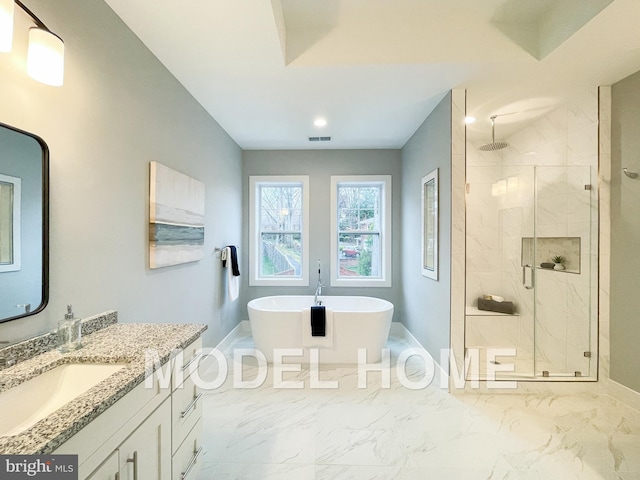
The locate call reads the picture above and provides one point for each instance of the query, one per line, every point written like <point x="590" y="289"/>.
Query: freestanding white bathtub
<point x="358" y="322"/>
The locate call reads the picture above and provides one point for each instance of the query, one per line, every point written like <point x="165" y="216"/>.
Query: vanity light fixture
<point x="45" y="56"/>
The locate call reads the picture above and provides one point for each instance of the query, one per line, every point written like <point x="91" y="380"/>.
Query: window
<point x="279" y="228"/>
<point x="361" y="231"/>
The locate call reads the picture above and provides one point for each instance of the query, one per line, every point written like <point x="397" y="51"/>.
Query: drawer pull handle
<point x="193" y="359"/>
<point x="191" y="406"/>
<point x="196" y="453"/>
<point x="134" y="460"/>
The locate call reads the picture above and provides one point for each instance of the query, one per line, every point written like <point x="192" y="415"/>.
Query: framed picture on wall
<point x="176" y="217"/>
<point x="430" y="225"/>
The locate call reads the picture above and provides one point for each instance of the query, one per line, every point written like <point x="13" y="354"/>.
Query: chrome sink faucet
<point x="318" y="288"/>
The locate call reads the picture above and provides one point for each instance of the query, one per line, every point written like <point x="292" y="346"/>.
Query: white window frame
<point x="385" y="234"/>
<point x="255" y="182"/>
<point x="16" y="224"/>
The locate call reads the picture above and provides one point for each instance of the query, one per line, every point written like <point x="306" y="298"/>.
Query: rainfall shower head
<point x="490" y="147"/>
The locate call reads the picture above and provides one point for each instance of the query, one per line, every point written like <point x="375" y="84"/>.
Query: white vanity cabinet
<point x="144" y="455"/>
<point x="149" y="434"/>
<point x="186" y="419"/>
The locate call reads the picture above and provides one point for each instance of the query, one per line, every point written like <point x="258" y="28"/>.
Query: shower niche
<point x="526" y="204"/>
<point x="540" y="253"/>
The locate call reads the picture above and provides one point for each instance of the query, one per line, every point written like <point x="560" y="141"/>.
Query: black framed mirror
<point x="24" y="223"/>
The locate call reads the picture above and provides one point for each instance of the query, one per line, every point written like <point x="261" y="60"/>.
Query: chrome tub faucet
<point x="318" y="288"/>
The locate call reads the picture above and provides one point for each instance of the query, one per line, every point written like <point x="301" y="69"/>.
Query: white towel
<point x="233" y="282"/>
<point x="310" y="341"/>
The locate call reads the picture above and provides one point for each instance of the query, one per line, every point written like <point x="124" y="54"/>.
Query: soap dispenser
<point x="69" y="332"/>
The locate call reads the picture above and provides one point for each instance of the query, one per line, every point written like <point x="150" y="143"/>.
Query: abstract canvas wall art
<point x="176" y="217"/>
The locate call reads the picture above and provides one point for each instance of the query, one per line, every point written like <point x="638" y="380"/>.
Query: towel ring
<point x="629" y="173"/>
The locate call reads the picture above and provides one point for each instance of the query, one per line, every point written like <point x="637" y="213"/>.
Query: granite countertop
<point x="117" y="343"/>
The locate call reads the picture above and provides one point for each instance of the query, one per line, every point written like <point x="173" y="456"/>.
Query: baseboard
<point x="399" y="330"/>
<point x="624" y="394"/>
<point x="209" y="364"/>
<point x="242" y="328"/>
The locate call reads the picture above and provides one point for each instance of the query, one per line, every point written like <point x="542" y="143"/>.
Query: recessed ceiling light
<point x="320" y="122"/>
<point x="469" y="120"/>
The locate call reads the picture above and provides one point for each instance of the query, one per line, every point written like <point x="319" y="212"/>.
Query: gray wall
<point x="625" y="222"/>
<point x="320" y="165"/>
<point x="118" y="110"/>
<point x="427" y="303"/>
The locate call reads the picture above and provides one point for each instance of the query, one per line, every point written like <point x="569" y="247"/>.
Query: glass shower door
<point x="519" y="217"/>
<point x="562" y="268"/>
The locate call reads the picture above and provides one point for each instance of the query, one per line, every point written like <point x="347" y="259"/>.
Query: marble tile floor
<point x="402" y="433"/>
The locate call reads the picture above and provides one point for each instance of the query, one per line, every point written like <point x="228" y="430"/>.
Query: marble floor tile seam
<point x="595" y="421"/>
<point x="315" y="471"/>
<point x="348" y="416"/>
<point x="407" y="449"/>
<point x="350" y="472"/>
<point x="409" y="458"/>
<point x="344" y="385"/>
<point x="325" y="447"/>
<point x="532" y="457"/>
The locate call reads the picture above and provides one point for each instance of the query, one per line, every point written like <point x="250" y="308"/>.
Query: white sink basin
<point x="35" y="399"/>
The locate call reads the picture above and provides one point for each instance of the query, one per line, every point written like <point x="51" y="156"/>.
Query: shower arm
<point x="493" y="128"/>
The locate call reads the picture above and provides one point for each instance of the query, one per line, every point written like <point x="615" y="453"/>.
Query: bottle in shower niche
<point x="69" y="332"/>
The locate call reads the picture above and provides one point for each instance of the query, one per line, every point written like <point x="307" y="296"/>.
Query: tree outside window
<point x="361" y="231"/>
<point x="359" y="218"/>
<point x="278" y="230"/>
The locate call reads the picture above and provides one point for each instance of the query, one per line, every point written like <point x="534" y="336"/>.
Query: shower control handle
<point x="524" y="277"/>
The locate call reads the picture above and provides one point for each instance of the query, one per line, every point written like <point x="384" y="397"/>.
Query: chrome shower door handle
<point x="524" y="277"/>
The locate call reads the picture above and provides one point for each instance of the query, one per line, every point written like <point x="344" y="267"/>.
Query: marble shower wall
<point x="563" y="148"/>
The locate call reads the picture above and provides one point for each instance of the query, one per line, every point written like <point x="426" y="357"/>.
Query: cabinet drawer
<point x="187" y="461"/>
<point x="186" y="411"/>
<point x="189" y="359"/>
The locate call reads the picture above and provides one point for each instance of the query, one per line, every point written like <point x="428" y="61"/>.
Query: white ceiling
<point x="376" y="68"/>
